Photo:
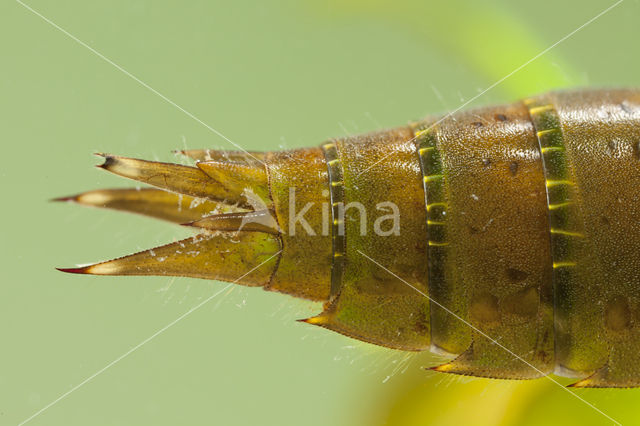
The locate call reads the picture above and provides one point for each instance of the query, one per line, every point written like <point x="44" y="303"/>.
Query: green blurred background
<point x="269" y="75"/>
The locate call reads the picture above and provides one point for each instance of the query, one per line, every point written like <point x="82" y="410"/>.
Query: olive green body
<point x="521" y="223"/>
<point x="507" y="237"/>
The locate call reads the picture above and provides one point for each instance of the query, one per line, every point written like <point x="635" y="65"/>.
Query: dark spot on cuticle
<point x="486" y="162"/>
<point x="500" y="117"/>
<point x="516" y="275"/>
<point x="476" y="124"/>
<point x="513" y="168"/>
<point x="604" y="220"/>
<point x="617" y="314"/>
<point x="484" y="309"/>
<point x="421" y="325"/>
<point x="636" y="150"/>
<point x="473" y="229"/>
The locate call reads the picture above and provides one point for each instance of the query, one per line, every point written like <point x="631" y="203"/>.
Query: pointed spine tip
<point x="72" y="198"/>
<point x="319" y="320"/>
<point x="197" y="227"/>
<point x="443" y="368"/>
<point x="104" y="268"/>
<point x="83" y="270"/>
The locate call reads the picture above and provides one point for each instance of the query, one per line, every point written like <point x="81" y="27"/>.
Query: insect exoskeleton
<point x="505" y="236"/>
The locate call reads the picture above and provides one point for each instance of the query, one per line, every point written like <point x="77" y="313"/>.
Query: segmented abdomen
<point x="506" y="236"/>
<point x="530" y="230"/>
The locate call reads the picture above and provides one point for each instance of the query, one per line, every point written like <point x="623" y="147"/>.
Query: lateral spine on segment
<point x="336" y="194"/>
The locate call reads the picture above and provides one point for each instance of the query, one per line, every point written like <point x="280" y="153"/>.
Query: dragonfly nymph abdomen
<point x="517" y="224"/>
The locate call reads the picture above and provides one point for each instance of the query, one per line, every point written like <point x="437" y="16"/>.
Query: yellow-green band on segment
<point x="542" y="133"/>
<point x="336" y="193"/>
<point x="557" y="179"/>
<point x="551" y="148"/>
<point x="431" y="178"/>
<point x="563" y="264"/>
<point x="436" y="244"/>
<point x="550" y="182"/>
<point x="567" y="233"/>
<point x="435" y="203"/>
<point x="422" y="151"/>
<point x="563" y="212"/>
<point x="539" y="109"/>
<point x="560" y="205"/>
